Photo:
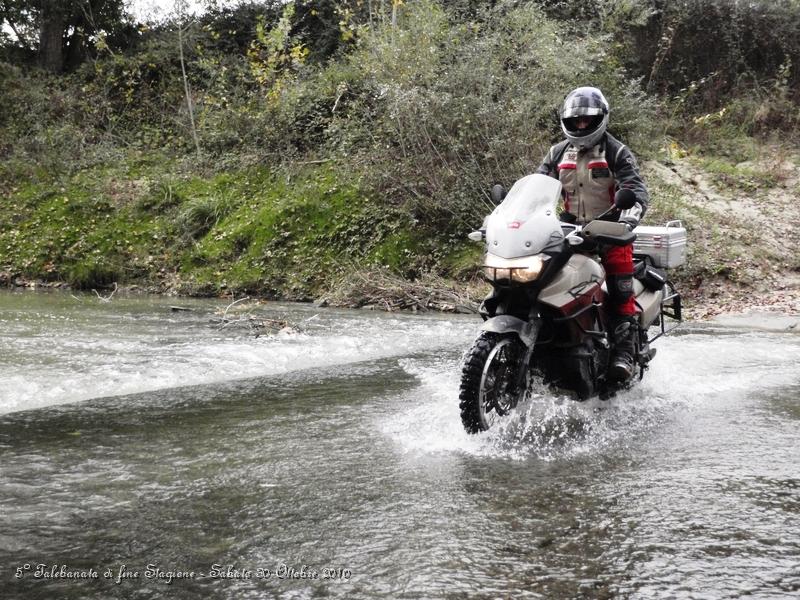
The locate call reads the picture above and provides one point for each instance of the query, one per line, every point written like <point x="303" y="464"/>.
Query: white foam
<point x="85" y="361"/>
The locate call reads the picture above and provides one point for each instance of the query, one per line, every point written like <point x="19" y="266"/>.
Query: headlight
<point x="521" y="270"/>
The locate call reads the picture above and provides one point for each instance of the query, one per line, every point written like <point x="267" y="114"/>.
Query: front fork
<point x="526" y="332"/>
<point x="522" y="368"/>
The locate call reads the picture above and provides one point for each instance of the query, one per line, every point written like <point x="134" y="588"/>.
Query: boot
<point x="623" y="332"/>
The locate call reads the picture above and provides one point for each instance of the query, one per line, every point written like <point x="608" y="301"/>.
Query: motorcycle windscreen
<point x="526" y="223"/>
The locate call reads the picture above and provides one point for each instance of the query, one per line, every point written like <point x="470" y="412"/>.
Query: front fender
<point x="527" y="332"/>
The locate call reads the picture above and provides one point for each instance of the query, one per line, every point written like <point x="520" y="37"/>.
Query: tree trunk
<point x="51" y="36"/>
<point x="74" y="51"/>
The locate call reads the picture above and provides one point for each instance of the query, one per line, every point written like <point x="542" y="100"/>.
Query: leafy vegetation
<point x="251" y="230"/>
<point x="333" y="136"/>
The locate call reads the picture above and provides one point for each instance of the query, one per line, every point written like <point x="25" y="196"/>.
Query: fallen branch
<point x="232" y="304"/>
<point x="379" y="288"/>
<point x="106" y="298"/>
<point x="256" y="325"/>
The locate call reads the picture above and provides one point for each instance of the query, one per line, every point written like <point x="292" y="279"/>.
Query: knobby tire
<point x="472" y="372"/>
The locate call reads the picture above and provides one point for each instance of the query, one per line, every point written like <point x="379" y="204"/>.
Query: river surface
<point x="147" y="453"/>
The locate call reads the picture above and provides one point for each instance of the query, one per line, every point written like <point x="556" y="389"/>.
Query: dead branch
<point x="232" y="304"/>
<point x="255" y="325"/>
<point x="106" y="298"/>
<point x="379" y="288"/>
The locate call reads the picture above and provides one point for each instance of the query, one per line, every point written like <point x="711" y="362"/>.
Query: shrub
<point x="440" y="110"/>
<point x="90" y="274"/>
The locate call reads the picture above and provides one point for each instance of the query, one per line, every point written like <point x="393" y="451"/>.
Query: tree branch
<point x="106" y="298"/>
<point x="188" y="95"/>
<point x="5" y="16"/>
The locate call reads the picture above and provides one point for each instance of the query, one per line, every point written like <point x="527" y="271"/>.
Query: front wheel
<point x="488" y="380"/>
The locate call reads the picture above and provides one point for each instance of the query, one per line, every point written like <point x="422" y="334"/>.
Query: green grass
<point x="292" y="239"/>
<point x="70" y="230"/>
<point x="251" y="231"/>
<point x="726" y="174"/>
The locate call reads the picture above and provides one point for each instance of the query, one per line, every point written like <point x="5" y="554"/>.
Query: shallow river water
<point x="146" y="453"/>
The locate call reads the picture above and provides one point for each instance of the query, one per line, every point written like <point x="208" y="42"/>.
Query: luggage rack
<point x="670" y="307"/>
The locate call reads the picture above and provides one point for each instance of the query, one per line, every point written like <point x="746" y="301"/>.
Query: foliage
<point x="272" y="56"/>
<point x="667" y="42"/>
<point x="80" y="28"/>
<point x="443" y="109"/>
<point x="232" y="29"/>
<point x="389" y="121"/>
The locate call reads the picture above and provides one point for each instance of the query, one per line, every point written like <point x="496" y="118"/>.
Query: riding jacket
<point x="590" y="178"/>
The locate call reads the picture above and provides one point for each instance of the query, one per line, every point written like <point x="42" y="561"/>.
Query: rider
<point x="592" y="166"/>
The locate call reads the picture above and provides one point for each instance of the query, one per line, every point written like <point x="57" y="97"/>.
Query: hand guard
<point x="631" y="216"/>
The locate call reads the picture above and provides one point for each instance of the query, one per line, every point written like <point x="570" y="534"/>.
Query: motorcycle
<point x="546" y="316"/>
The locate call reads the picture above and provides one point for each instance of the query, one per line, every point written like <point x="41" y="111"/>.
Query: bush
<point x="439" y="110"/>
<point x="666" y="42"/>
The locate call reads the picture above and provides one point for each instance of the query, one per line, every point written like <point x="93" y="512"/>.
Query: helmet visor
<point x="582" y="124"/>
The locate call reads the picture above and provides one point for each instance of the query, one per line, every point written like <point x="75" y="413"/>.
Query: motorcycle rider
<point x="593" y="166"/>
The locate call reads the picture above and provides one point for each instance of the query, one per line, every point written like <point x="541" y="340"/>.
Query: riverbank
<point x="720" y="303"/>
<point x="350" y="174"/>
<point x="154" y="227"/>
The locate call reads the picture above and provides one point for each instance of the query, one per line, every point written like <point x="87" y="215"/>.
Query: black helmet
<point x="584" y="102"/>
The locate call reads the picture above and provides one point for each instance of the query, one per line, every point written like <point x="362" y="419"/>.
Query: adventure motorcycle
<point x="546" y="315"/>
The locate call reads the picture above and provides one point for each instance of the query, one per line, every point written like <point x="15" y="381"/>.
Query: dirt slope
<point x="742" y="220"/>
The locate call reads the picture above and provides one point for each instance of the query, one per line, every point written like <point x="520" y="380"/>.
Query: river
<point x="153" y="453"/>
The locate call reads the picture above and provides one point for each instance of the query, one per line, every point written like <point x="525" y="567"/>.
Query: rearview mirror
<point x="498" y="193"/>
<point x="625" y="199"/>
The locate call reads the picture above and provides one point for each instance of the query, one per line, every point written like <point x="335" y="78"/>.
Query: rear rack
<point x="672" y="308"/>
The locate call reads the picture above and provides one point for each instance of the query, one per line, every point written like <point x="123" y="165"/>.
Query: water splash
<point x="690" y="370"/>
<point x="546" y="425"/>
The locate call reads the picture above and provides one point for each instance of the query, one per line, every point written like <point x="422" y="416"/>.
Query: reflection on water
<point x="338" y="452"/>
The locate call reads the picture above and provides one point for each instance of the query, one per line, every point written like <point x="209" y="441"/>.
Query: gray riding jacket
<point x="591" y="178"/>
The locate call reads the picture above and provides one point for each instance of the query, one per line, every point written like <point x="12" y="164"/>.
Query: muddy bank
<point x="720" y="301"/>
<point x="744" y="248"/>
